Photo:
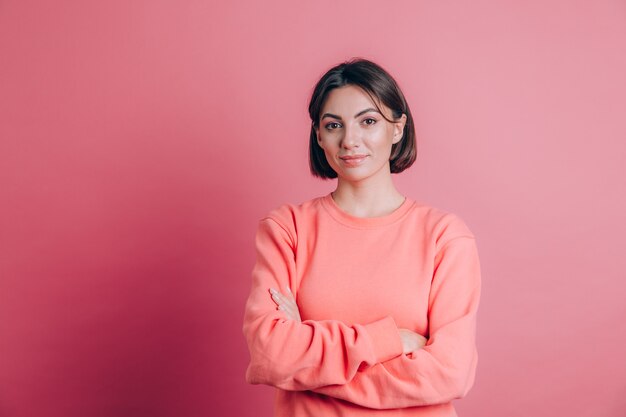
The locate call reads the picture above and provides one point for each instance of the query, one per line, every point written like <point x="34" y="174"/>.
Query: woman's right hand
<point x="411" y="341"/>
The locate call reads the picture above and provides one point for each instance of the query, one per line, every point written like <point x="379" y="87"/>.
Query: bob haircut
<point x="381" y="87"/>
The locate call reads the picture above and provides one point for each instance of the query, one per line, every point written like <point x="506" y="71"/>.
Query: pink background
<point x="141" y="141"/>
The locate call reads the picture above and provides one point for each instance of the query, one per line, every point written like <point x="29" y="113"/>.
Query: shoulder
<point x="288" y="216"/>
<point x="442" y="226"/>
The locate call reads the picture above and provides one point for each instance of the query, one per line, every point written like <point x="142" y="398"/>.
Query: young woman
<point x="363" y="301"/>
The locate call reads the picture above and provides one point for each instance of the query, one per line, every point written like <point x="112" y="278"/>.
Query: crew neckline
<point x="347" y="219"/>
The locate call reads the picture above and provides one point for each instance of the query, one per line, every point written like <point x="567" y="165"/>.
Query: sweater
<point x="356" y="282"/>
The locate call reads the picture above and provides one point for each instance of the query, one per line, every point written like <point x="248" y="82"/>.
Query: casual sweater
<point x="356" y="282"/>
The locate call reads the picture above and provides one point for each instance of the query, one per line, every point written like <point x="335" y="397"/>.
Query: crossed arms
<point x="371" y="364"/>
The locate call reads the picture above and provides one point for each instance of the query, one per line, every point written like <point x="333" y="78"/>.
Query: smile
<point x="354" y="160"/>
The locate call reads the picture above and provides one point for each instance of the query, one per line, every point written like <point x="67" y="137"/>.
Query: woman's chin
<point x="353" y="175"/>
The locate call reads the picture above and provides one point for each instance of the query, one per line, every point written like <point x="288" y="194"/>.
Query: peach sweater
<point x="356" y="281"/>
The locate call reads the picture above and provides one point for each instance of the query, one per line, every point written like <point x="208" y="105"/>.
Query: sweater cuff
<point x="385" y="339"/>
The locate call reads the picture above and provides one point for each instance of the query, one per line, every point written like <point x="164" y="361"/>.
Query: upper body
<point x="362" y="301"/>
<point x="356" y="282"/>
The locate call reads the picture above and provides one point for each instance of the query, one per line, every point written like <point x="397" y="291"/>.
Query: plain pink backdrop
<point x="141" y="141"/>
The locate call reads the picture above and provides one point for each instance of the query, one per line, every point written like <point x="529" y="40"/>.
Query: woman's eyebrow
<point x="334" y="116"/>
<point x="369" y="109"/>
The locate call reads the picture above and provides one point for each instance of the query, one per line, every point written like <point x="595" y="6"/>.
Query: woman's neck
<point x="368" y="198"/>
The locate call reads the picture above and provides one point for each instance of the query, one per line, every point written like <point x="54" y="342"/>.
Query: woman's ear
<point x="398" y="128"/>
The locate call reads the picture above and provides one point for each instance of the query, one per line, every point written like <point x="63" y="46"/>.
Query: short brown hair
<point x="376" y="82"/>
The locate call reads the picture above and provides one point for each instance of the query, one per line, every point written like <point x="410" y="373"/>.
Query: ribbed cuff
<point x="385" y="339"/>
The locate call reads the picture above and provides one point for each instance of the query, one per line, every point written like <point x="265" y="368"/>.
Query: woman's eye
<point x="332" y="125"/>
<point x="369" y="121"/>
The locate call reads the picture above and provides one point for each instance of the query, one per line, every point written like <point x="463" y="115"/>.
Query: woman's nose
<point x="351" y="138"/>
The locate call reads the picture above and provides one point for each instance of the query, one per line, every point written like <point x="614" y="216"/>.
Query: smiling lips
<point x="353" y="160"/>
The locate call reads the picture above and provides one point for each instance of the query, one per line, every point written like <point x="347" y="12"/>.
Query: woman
<point x="363" y="301"/>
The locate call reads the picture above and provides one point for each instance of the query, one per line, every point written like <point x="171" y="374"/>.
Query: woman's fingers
<point x="411" y="341"/>
<point x="292" y="307"/>
<point x="286" y="303"/>
<point x="290" y="310"/>
<point x="279" y="298"/>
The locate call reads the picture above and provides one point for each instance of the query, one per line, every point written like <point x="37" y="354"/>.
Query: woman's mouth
<point x="353" y="160"/>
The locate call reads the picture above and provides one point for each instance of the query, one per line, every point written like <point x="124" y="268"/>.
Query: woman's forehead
<point x="350" y="100"/>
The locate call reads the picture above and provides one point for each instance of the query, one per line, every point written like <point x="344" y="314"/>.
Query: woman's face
<point x="355" y="137"/>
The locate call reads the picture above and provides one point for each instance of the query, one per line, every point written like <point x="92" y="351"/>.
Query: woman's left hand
<point x="286" y="303"/>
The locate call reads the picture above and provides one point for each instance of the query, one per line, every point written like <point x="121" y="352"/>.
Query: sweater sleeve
<point x="445" y="368"/>
<point x="304" y="355"/>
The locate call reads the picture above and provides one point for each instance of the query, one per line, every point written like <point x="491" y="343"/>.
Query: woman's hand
<point x="411" y="341"/>
<point x="286" y="303"/>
